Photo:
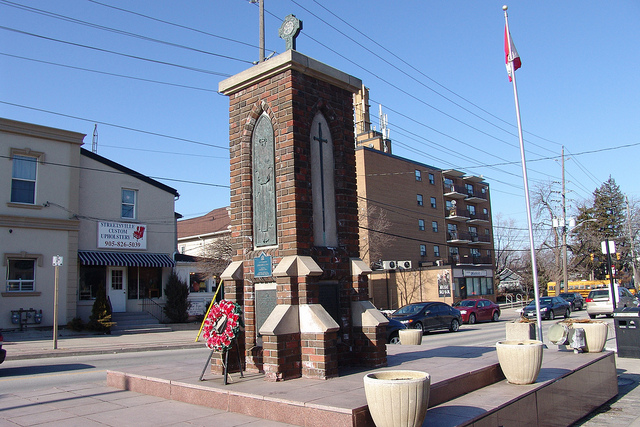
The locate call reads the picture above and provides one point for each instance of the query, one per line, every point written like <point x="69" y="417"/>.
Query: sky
<point x="146" y="72"/>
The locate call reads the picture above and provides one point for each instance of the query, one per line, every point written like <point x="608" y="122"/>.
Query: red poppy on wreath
<point x="222" y="325"/>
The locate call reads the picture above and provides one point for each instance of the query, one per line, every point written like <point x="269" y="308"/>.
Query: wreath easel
<point x="220" y="328"/>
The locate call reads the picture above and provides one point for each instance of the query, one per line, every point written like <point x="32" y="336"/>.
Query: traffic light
<point x="618" y="257"/>
<point x="592" y="256"/>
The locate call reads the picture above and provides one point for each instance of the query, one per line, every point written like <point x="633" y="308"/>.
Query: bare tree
<point x="216" y="256"/>
<point x="507" y="240"/>
<point x="374" y="221"/>
<point x="408" y="283"/>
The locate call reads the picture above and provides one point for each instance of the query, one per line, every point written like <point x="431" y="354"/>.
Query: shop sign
<point x="474" y="273"/>
<point x="121" y="235"/>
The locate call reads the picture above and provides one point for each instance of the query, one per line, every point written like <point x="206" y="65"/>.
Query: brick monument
<point x="294" y="222"/>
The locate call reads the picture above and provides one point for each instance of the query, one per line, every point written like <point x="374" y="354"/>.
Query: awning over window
<point x="122" y="259"/>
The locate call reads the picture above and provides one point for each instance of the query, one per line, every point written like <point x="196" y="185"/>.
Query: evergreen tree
<point x="603" y="219"/>
<point x="177" y="304"/>
<point x="100" y="319"/>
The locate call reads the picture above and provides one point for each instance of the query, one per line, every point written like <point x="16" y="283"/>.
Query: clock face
<point x="287" y="29"/>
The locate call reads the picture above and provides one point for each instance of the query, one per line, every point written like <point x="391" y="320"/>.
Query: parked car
<point x="478" y="310"/>
<point x="599" y="301"/>
<point x="428" y="316"/>
<point x="550" y="307"/>
<point x="392" y="331"/>
<point x="573" y="298"/>
<point x="3" y="353"/>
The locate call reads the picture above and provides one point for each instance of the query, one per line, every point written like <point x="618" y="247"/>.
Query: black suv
<point x="575" y="299"/>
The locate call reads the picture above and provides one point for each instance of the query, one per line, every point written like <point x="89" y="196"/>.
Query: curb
<point x="114" y="350"/>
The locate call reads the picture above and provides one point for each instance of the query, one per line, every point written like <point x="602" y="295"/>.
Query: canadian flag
<point x="510" y="53"/>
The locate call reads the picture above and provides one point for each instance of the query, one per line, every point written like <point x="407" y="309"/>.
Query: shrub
<point x="100" y="319"/>
<point x="177" y="304"/>
<point x="76" y="324"/>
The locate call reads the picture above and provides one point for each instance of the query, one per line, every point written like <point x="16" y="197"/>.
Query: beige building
<point x="111" y="226"/>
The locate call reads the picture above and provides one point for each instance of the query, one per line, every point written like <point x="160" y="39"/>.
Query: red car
<point x="477" y="310"/>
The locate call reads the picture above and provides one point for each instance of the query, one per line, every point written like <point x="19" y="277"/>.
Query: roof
<point x="213" y="222"/>
<point x="128" y="171"/>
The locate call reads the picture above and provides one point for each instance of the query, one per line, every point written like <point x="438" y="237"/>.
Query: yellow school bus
<point x="583" y="287"/>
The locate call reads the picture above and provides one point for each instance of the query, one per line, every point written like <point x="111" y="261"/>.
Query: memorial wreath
<point x="222" y="325"/>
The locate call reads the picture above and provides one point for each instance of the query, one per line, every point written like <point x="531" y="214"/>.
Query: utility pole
<point x="565" y="273"/>
<point x="261" y="23"/>
<point x="261" y="30"/>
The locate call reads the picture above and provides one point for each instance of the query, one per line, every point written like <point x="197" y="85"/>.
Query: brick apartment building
<point x="435" y="219"/>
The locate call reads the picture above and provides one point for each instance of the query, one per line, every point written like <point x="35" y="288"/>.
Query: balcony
<point x="454" y="191"/>
<point x="458" y="237"/>
<point x="459" y="215"/>
<point x="477" y="217"/>
<point x="477" y="239"/>
<point x="475" y="196"/>
<point x="470" y="260"/>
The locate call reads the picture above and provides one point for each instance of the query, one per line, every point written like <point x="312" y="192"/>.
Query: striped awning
<point x="123" y="259"/>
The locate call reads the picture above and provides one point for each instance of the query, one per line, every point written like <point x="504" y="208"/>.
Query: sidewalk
<point x="35" y="344"/>
<point x="624" y="410"/>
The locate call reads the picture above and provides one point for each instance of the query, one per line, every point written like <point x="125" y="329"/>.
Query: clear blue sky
<point x="436" y="67"/>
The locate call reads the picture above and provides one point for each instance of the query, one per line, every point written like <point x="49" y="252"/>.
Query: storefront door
<point x="117" y="282"/>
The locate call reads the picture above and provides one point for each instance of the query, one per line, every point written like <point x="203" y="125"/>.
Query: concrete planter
<point x="520" y="331"/>
<point x="595" y="334"/>
<point x="410" y="336"/>
<point x="397" y="398"/>
<point x="520" y="360"/>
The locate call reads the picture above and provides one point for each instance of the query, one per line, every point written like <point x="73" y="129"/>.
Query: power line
<point x="116" y="126"/>
<point x="114" y="30"/>
<point x="426" y="76"/>
<point x="114" y="74"/>
<point x="170" y="64"/>
<point x="135" y="175"/>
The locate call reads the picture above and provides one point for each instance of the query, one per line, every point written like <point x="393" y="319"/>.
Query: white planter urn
<point x="397" y="398"/>
<point x="410" y="336"/>
<point x="595" y="334"/>
<point x="520" y="360"/>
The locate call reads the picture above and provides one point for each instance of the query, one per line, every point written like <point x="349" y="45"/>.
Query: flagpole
<point x="525" y="179"/>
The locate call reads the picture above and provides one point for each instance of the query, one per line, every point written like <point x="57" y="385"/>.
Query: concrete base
<point x="467" y="388"/>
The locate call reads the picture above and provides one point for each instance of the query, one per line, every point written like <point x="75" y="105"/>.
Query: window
<point x="21" y="275"/>
<point x="473" y="231"/>
<point x="471" y="209"/>
<point x="436" y="251"/>
<point x="432" y="179"/>
<point x="419" y="198"/>
<point x="469" y="188"/>
<point x="128" y="203"/>
<point x="485" y="211"/>
<point x="418" y="175"/>
<point x="144" y="282"/>
<point x="433" y="202"/>
<point x="92" y="278"/>
<point x="23" y="179"/>
<point x="423" y="250"/>
<point x="434" y="226"/>
<point x="421" y="224"/>
<point x="448" y="182"/>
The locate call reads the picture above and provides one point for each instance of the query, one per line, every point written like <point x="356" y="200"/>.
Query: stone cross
<point x="289" y="31"/>
<point x="320" y="144"/>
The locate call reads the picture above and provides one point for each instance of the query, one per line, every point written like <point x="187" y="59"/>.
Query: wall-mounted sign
<point x="444" y="284"/>
<point x="474" y="273"/>
<point x="121" y="235"/>
<point x="262" y="266"/>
